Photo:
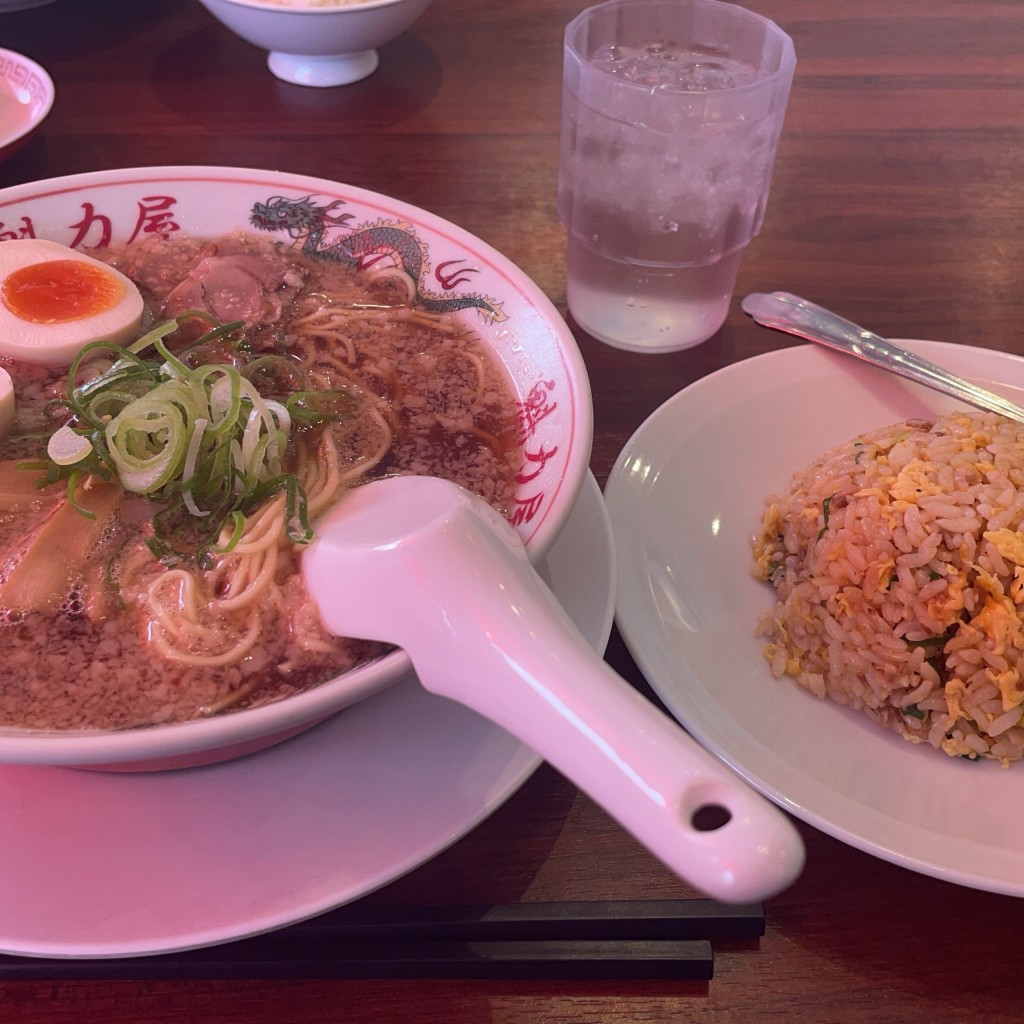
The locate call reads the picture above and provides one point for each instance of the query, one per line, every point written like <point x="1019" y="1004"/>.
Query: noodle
<point x="176" y="629"/>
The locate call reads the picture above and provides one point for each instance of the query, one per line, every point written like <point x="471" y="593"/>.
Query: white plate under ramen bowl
<point x="247" y="846"/>
<point x="26" y="97"/>
<point x="468" y="277"/>
<point x="685" y="499"/>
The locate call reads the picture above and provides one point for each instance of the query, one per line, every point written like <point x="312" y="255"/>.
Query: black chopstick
<point x="685" y="960"/>
<point x="631" y="939"/>
<point x="606" y="919"/>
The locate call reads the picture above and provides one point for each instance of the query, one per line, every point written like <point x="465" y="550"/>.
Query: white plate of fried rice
<point x="925" y="520"/>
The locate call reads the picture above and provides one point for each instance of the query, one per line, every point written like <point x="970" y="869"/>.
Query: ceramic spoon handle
<point x="482" y="628"/>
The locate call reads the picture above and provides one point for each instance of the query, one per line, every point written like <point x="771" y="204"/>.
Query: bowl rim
<point x="300" y="8"/>
<point x="50" y="92"/>
<point x="115" y="748"/>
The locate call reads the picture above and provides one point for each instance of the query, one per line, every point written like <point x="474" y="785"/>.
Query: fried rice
<point x="898" y="565"/>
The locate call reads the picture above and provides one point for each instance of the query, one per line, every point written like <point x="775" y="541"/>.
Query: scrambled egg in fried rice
<point x="898" y="562"/>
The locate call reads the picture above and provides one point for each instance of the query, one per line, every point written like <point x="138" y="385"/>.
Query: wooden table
<point x="898" y="200"/>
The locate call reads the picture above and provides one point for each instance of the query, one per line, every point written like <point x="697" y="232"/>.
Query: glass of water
<point x="671" y="115"/>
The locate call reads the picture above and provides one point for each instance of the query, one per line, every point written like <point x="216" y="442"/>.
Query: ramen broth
<point x="113" y="653"/>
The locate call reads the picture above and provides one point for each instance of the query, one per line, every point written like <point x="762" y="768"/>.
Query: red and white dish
<point x="506" y="310"/>
<point x="26" y="97"/>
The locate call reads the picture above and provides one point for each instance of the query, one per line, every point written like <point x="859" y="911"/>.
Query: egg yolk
<point x="56" y="291"/>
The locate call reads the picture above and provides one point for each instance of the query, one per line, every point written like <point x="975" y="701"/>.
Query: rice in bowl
<point x="898" y="562"/>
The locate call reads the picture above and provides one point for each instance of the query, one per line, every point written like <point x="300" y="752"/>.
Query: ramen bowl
<point x="452" y="275"/>
<point x="318" y="42"/>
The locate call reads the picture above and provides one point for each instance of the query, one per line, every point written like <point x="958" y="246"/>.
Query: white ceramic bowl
<point x="527" y="335"/>
<point x="26" y="96"/>
<point x="317" y="42"/>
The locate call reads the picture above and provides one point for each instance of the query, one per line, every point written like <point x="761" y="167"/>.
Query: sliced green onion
<point x="148" y="439"/>
<point x="153" y="336"/>
<point x="237" y="520"/>
<point x="206" y="442"/>
<point x="76" y="475"/>
<point x="930" y="641"/>
<point x="826" y="506"/>
<point x="66" y="446"/>
<point x="189" y="470"/>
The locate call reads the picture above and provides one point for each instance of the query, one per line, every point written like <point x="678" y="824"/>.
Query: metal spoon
<point x="797" y="316"/>
<point x="421" y="563"/>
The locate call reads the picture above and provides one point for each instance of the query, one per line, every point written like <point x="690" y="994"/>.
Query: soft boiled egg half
<point x="54" y="301"/>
